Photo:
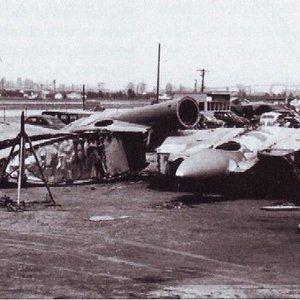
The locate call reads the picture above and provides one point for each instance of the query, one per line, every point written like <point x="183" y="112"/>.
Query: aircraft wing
<point x="235" y="155"/>
<point x="188" y="142"/>
<point x="112" y="126"/>
<point x="9" y="131"/>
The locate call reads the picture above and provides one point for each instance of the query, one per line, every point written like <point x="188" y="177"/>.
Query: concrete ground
<point x="147" y="244"/>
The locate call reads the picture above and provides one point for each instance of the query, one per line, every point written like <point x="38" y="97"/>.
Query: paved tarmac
<point x="146" y="243"/>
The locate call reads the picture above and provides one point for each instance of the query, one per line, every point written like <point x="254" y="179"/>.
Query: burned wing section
<point x="80" y="157"/>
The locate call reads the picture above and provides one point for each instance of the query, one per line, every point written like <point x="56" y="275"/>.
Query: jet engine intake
<point x="188" y="112"/>
<point x="173" y="114"/>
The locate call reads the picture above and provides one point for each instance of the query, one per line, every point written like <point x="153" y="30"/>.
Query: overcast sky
<point x="116" y="41"/>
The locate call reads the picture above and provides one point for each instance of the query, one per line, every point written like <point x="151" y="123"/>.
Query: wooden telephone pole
<point x="83" y="97"/>
<point x="158" y="71"/>
<point x="203" y="71"/>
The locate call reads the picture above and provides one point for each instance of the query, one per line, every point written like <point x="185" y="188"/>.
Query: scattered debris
<point x="286" y="206"/>
<point x="11" y="205"/>
<point x="171" y="205"/>
<point x="106" y="218"/>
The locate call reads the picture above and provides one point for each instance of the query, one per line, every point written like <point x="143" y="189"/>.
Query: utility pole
<point x="2" y="83"/>
<point x="195" y="86"/>
<point x="83" y="97"/>
<point x="158" y="70"/>
<point x="54" y="86"/>
<point x="286" y="100"/>
<point x="203" y="71"/>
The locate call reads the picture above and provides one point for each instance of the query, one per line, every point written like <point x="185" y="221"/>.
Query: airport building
<point x="210" y="101"/>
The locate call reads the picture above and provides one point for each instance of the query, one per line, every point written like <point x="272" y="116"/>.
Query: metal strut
<point x="21" y="140"/>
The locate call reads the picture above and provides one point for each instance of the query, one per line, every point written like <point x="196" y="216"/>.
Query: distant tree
<point x="119" y="95"/>
<point x="131" y="86"/>
<point x="100" y="94"/>
<point x="169" y="88"/>
<point x="19" y="83"/>
<point x="2" y="83"/>
<point x="92" y="95"/>
<point x="28" y="84"/>
<point x="282" y="94"/>
<point x="182" y="88"/>
<point x="131" y="94"/>
<point x="141" y="88"/>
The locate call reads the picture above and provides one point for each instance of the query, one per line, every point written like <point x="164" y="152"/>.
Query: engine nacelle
<point x="174" y="114"/>
<point x="188" y="112"/>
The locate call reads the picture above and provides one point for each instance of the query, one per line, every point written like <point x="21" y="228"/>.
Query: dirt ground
<point x="154" y="244"/>
<point x="148" y="243"/>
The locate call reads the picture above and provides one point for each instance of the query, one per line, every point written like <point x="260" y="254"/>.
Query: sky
<point x="116" y="41"/>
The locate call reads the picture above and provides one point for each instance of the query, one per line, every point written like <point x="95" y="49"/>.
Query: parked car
<point x="291" y="118"/>
<point x="271" y="118"/>
<point x="66" y="117"/>
<point x="292" y="122"/>
<point x="208" y="120"/>
<point x="45" y="121"/>
<point x="231" y="119"/>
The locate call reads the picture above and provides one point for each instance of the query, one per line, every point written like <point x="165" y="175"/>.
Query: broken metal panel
<point x="114" y="157"/>
<point x="82" y="157"/>
<point x="163" y="163"/>
<point x="135" y="146"/>
<point x="9" y="131"/>
<point x="279" y="172"/>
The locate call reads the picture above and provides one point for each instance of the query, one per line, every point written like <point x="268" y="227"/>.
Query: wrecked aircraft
<point x="281" y="163"/>
<point x="161" y="119"/>
<point x="238" y="154"/>
<point x="106" y="145"/>
<point x="228" y="152"/>
<point x="184" y="144"/>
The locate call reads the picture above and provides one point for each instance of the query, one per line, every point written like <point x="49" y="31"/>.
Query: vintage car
<point x="271" y="118"/>
<point x="208" y="120"/>
<point x="231" y="119"/>
<point x="45" y="121"/>
<point x="66" y="117"/>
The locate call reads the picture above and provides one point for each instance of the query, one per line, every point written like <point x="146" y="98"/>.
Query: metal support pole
<point x="158" y="74"/>
<point x="21" y="139"/>
<point x="21" y="158"/>
<point x="83" y="97"/>
<point x="21" y="169"/>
